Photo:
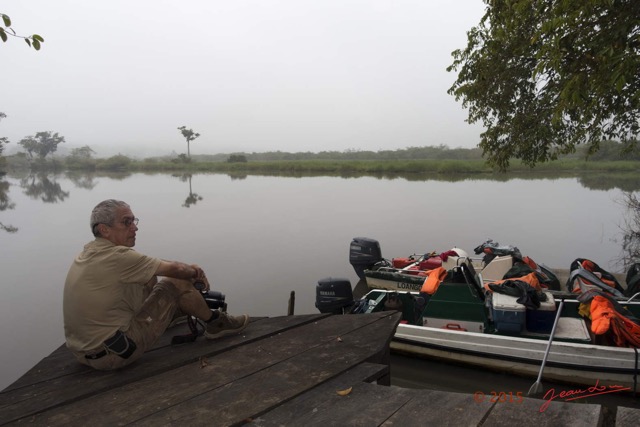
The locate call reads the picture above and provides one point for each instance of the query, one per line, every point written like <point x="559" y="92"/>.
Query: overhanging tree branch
<point x="33" y="40"/>
<point x="544" y="76"/>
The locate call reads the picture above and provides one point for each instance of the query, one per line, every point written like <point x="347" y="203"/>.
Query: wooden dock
<point x="283" y="371"/>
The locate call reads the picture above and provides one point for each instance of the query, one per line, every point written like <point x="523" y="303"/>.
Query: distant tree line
<point x="411" y="153"/>
<point x="609" y="151"/>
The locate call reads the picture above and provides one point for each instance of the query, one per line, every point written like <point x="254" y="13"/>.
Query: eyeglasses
<point x="128" y="221"/>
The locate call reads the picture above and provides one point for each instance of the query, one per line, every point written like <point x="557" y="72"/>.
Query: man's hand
<point x="204" y="281"/>
<point x="198" y="272"/>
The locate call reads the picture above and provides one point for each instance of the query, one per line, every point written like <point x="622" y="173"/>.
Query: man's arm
<point x="179" y="270"/>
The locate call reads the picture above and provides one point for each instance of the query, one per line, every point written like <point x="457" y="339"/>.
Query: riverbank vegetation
<point x="430" y="160"/>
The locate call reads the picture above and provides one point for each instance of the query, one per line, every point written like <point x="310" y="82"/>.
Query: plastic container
<point x="402" y="262"/>
<point x="541" y="320"/>
<point x="430" y="263"/>
<point x="497" y="268"/>
<point x="508" y="315"/>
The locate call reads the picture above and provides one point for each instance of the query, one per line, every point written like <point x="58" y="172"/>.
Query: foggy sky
<point x="251" y="76"/>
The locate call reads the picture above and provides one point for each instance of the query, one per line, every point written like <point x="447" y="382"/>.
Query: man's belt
<point x="119" y="344"/>
<point x="97" y="355"/>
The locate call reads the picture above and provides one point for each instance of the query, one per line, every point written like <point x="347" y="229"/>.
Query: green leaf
<point x="28" y="42"/>
<point x="3" y="35"/>
<point x="7" y="20"/>
<point x="37" y="37"/>
<point x="36" y="44"/>
<point x="620" y="83"/>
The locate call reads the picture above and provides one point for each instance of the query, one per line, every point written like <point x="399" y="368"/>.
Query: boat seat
<point x="570" y="329"/>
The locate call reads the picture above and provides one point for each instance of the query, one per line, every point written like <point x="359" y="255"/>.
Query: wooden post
<point x="292" y="303"/>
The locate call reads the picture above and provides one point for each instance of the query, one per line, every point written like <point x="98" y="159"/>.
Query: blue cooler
<point x="541" y="320"/>
<point x="508" y="315"/>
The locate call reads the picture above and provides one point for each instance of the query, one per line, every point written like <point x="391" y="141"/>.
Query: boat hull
<point x="574" y="363"/>
<point x="401" y="282"/>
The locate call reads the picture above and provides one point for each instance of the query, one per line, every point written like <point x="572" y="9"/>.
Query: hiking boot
<point x="226" y="325"/>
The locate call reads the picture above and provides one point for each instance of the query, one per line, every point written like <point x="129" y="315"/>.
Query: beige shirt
<point x="103" y="291"/>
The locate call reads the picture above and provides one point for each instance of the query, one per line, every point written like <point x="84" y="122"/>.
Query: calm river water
<point x="259" y="238"/>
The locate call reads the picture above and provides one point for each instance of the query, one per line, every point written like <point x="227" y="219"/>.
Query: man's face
<point x="119" y="233"/>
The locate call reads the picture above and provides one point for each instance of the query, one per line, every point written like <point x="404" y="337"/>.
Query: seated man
<point x="114" y="306"/>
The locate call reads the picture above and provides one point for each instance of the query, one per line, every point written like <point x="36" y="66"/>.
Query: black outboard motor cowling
<point x="334" y="295"/>
<point x="363" y="254"/>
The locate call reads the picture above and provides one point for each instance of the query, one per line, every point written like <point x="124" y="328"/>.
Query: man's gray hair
<point x="105" y="213"/>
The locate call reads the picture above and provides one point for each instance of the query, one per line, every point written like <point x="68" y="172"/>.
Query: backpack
<point x="585" y="274"/>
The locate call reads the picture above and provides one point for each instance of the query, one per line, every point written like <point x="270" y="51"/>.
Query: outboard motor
<point x="334" y="295"/>
<point x="363" y="254"/>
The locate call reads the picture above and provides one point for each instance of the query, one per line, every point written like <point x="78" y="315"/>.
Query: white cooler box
<point x="508" y="315"/>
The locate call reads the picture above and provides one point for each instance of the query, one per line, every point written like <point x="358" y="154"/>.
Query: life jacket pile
<point x="596" y="290"/>
<point x="578" y="283"/>
<point x="522" y="265"/>
<point x="526" y="279"/>
<point x="609" y="317"/>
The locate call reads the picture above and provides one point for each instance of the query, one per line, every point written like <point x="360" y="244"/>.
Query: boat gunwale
<point x="519" y="359"/>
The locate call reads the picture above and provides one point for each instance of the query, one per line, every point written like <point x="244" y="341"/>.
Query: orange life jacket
<point x="605" y="317"/>
<point x="433" y="280"/>
<point x="591" y="266"/>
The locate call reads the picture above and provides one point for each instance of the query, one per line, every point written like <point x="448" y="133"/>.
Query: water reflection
<point x="237" y="176"/>
<point x="624" y="181"/>
<point x="117" y="176"/>
<point x="6" y="204"/>
<point x="630" y="231"/>
<point x="44" y="186"/>
<point x="41" y="186"/>
<point x="85" y="181"/>
<point x="192" y="198"/>
<point x="608" y="181"/>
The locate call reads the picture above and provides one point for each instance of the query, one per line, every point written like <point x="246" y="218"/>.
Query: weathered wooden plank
<point x="366" y="405"/>
<point x="527" y="414"/>
<point x="185" y="382"/>
<point x="292" y="412"/>
<point x="253" y="395"/>
<point x="439" y="408"/>
<point x="60" y="362"/>
<point x="627" y="417"/>
<point x="27" y="400"/>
